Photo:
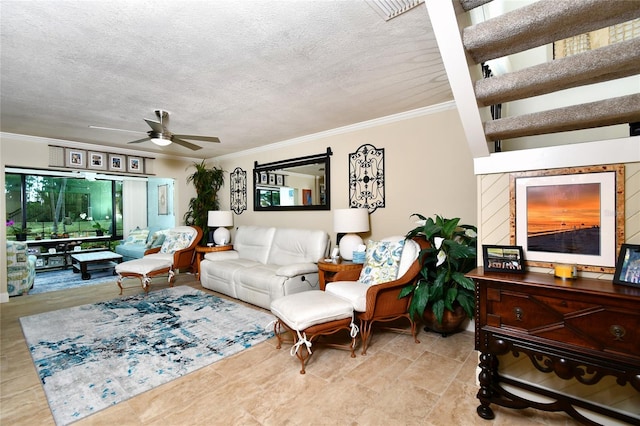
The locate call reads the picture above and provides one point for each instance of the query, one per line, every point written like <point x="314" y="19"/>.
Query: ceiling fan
<point x="161" y="136"/>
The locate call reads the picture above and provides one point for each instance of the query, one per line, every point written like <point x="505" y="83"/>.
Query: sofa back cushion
<point x="253" y="242"/>
<point x="297" y="246"/>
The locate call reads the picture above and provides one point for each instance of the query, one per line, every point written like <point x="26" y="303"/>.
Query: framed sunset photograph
<point x="572" y="217"/>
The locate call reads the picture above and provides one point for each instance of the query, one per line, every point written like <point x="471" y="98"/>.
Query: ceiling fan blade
<point x="117" y="130"/>
<point x="141" y="140"/>
<point x="155" y="125"/>
<point x="199" y="138"/>
<point x="186" y="144"/>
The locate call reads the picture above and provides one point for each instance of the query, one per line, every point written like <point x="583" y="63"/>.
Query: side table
<point x="328" y="269"/>
<point x="201" y="250"/>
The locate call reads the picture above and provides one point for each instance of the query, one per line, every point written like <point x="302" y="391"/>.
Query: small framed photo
<point x="272" y="179"/>
<point x="135" y="165"/>
<point x="39" y="262"/>
<point x="628" y="265"/>
<point x="76" y="158"/>
<point x="117" y="163"/>
<point x="503" y="258"/>
<point x="280" y="180"/>
<point x="263" y="178"/>
<point x="97" y="160"/>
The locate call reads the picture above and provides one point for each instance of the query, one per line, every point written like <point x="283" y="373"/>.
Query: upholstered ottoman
<point x="309" y="315"/>
<point x="144" y="269"/>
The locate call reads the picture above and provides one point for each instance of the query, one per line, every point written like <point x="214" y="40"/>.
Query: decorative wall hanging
<point x="366" y="178"/>
<point x="238" y="187"/>
<point x="97" y="160"/>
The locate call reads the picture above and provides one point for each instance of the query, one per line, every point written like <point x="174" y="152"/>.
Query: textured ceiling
<point x="251" y="73"/>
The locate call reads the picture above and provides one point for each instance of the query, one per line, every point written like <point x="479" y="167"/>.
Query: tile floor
<point x="398" y="382"/>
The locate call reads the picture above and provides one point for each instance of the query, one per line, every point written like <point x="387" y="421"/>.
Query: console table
<point x="63" y="248"/>
<point x="583" y="329"/>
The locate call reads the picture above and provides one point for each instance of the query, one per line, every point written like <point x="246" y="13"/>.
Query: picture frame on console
<point x="628" y="266"/>
<point x="572" y="215"/>
<point x="503" y="258"/>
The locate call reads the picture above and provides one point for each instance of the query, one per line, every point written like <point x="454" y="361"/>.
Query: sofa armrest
<point x="297" y="269"/>
<point x="152" y="250"/>
<point x="222" y="255"/>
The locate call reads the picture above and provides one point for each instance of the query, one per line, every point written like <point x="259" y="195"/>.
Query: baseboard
<point x="4" y="297"/>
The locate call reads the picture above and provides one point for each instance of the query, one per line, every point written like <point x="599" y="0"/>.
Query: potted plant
<point x="207" y="182"/>
<point x="99" y="229"/>
<point x="442" y="291"/>
<point x="19" y="232"/>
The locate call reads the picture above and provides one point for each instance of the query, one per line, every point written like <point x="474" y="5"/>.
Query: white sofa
<point x="266" y="263"/>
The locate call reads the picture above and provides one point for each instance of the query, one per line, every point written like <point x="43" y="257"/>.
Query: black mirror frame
<point x="299" y="161"/>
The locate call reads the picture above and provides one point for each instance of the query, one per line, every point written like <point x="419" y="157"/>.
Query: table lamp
<point x="220" y="219"/>
<point x="350" y="221"/>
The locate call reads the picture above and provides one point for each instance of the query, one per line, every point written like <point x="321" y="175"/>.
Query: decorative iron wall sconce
<point x="238" y="190"/>
<point x="366" y="178"/>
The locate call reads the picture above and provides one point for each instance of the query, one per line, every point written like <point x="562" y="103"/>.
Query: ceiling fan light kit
<point x="161" y="136"/>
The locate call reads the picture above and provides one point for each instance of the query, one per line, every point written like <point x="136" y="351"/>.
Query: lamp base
<point x="348" y="244"/>
<point x="221" y="236"/>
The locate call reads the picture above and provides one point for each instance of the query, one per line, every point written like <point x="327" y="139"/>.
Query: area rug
<point x="65" y="278"/>
<point x="93" y="356"/>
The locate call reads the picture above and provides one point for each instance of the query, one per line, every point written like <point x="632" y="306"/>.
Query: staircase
<point x="465" y="47"/>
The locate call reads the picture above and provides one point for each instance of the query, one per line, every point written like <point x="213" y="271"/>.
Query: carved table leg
<point x="488" y="365"/>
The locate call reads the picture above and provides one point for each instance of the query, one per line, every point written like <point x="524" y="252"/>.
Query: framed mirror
<point x="301" y="183"/>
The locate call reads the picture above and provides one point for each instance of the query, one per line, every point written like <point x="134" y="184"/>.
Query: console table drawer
<point x="582" y="323"/>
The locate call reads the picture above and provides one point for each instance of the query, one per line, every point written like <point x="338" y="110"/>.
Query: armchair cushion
<point x="381" y="261"/>
<point x="176" y="240"/>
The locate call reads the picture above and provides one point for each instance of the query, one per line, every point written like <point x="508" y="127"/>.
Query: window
<point x="51" y="206"/>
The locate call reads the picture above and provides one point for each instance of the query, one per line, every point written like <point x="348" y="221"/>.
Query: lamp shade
<point x="350" y="220"/>
<point x="220" y="218"/>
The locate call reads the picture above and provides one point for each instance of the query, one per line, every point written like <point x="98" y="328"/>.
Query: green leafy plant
<point x="16" y="230"/>
<point x="442" y="283"/>
<point x="207" y="182"/>
<point x="98" y="226"/>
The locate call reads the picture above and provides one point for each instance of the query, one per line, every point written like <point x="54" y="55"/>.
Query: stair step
<point x="604" y="64"/>
<point x="607" y="112"/>
<point x="542" y="23"/>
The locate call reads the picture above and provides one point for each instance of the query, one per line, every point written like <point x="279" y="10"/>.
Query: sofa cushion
<point x="137" y="236"/>
<point x="381" y="261"/>
<point x="253" y="242"/>
<point x="297" y="246"/>
<point x="219" y="275"/>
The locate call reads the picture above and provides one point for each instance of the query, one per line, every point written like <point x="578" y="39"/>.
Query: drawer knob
<point x="518" y="312"/>
<point x="618" y="332"/>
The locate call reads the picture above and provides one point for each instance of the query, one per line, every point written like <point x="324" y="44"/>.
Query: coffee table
<point x="97" y="260"/>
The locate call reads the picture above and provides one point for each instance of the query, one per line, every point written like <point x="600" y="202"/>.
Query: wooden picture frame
<point x="135" y="164"/>
<point x="97" y="160"/>
<point x="503" y="258"/>
<point x="76" y="158"/>
<point x="628" y="266"/>
<point x="550" y="210"/>
<point x="117" y="163"/>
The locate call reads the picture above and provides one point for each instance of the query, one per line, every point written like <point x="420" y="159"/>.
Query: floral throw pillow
<point x="137" y="236"/>
<point x="175" y="241"/>
<point x="381" y="262"/>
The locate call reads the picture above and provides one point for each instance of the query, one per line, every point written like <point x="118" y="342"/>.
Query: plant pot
<point x="99" y="233"/>
<point x="451" y="321"/>
<point x="21" y="237"/>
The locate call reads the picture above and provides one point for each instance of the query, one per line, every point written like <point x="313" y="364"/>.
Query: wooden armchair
<point x="182" y="257"/>
<point x="382" y="302"/>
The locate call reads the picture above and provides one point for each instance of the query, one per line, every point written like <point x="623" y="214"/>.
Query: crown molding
<point x="420" y="112"/>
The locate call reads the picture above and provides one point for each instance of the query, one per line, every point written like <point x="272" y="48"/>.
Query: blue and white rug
<point x="93" y="356"/>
